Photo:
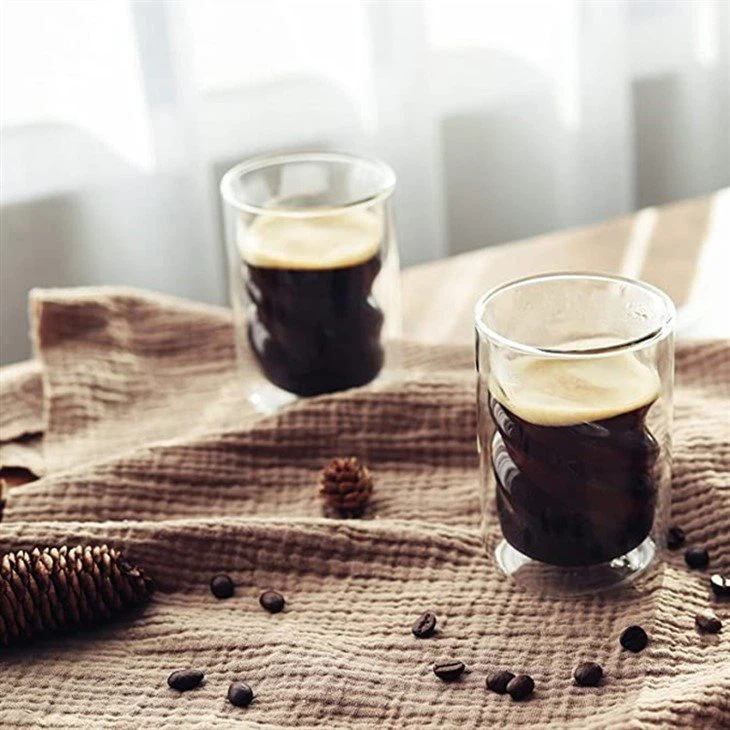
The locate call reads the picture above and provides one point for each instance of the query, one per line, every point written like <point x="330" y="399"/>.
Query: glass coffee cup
<point x="574" y="426"/>
<point x="314" y="271"/>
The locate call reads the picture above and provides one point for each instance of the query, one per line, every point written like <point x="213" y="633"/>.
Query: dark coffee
<point x="498" y="681"/>
<point x="573" y="490"/>
<point x="708" y="623"/>
<point x="697" y="557"/>
<point x="424" y="626"/>
<point x="185" y="679"/>
<point x="448" y="671"/>
<point x="272" y="601"/>
<point x="588" y="674"/>
<point x="314" y="323"/>
<point x="221" y="586"/>
<point x="316" y="331"/>
<point x="521" y="687"/>
<point x="240" y="694"/>
<point x="634" y="638"/>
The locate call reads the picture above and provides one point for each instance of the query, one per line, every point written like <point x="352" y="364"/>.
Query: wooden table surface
<point x="683" y="248"/>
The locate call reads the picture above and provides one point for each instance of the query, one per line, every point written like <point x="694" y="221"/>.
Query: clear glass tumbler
<point x="314" y="271"/>
<point x="574" y="426"/>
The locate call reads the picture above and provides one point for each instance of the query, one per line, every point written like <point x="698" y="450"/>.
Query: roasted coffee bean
<point x="448" y="670"/>
<point x="708" y="623"/>
<point x="185" y="679"/>
<point x="520" y="687"/>
<point x="424" y="626"/>
<point x="221" y="586"/>
<point x="240" y="694"/>
<point x="675" y="538"/>
<point x="634" y="639"/>
<point x="588" y="674"/>
<point x="498" y="681"/>
<point x="272" y="601"/>
<point x="697" y="558"/>
<point x="720" y="586"/>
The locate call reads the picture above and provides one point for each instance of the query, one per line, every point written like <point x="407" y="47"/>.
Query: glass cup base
<point x="268" y="399"/>
<point x="539" y="576"/>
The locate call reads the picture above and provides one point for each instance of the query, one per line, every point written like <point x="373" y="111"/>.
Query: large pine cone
<point x="62" y="588"/>
<point x="346" y="486"/>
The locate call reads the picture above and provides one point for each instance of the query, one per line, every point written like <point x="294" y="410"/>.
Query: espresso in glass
<point x="574" y="462"/>
<point x="313" y="321"/>
<point x="574" y="405"/>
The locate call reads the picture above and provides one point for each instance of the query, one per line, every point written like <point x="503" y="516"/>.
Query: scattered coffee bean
<point x="588" y="674"/>
<point x="272" y="601"/>
<point x="448" y="671"/>
<point x="675" y="538"/>
<point x="221" y="586"/>
<point x="720" y="586"/>
<point x="697" y="558"/>
<point x="634" y="639"/>
<point x="708" y="623"/>
<point x="424" y="626"/>
<point x="498" y="681"/>
<point x="520" y="687"/>
<point x="240" y="694"/>
<point x="185" y="679"/>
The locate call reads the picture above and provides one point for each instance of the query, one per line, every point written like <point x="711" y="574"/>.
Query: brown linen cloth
<point x="21" y="417"/>
<point x="150" y="446"/>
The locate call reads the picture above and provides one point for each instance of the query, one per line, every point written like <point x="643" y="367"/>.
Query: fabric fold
<point x="152" y="446"/>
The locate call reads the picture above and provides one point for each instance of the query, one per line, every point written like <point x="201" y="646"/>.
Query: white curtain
<point x="502" y="119"/>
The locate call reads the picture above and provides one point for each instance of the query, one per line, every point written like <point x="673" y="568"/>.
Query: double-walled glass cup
<point x="314" y="271"/>
<point x="574" y="426"/>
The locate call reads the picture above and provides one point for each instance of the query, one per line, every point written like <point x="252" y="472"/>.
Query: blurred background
<point x="502" y="119"/>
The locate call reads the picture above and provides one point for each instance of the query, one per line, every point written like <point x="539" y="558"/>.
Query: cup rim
<point x="665" y="327"/>
<point x="258" y="163"/>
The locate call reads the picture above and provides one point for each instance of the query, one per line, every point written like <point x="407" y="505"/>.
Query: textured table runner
<point x="150" y="446"/>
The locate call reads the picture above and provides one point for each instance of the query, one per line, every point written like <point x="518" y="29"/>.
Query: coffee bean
<point x="185" y="679"/>
<point x="498" y="681"/>
<point x="221" y="586"/>
<point x="675" y="538"/>
<point x="272" y="601"/>
<point x="697" y="558"/>
<point x="424" y="626"/>
<point x="520" y="687"/>
<point x="240" y="694"/>
<point x="720" y="586"/>
<point x="708" y="623"/>
<point x="634" y="639"/>
<point x="588" y="674"/>
<point x="448" y="670"/>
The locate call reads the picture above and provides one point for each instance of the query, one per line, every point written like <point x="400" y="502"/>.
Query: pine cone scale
<point x="8" y="613"/>
<point x="23" y="596"/>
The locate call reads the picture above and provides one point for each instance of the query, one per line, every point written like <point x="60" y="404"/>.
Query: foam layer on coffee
<point x="327" y="241"/>
<point x="555" y="392"/>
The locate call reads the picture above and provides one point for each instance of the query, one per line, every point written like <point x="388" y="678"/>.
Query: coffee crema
<point x="573" y="458"/>
<point x="313" y="322"/>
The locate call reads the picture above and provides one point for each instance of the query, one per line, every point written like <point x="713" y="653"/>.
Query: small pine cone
<point x="62" y="588"/>
<point x="346" y="486"/>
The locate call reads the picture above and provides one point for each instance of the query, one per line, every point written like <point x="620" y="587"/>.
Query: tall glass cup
<point x="314" y="271"/>
<point x="574" y="421"/>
